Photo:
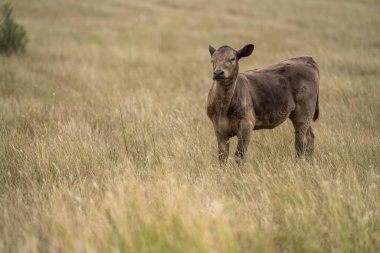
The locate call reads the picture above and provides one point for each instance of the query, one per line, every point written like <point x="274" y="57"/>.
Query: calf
<point x="261" y="99"/>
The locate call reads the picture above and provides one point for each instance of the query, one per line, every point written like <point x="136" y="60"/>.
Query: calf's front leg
<point x="243" y="135"/>
<point x="223" y="148"/>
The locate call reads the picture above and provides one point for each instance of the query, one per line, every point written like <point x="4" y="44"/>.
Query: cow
<point x="263" y="98"/>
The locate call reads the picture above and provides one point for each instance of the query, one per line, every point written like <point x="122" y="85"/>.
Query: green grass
<point x="105" y="145"/>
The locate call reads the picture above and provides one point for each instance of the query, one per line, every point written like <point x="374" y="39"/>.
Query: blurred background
<point x="105" y="144"/>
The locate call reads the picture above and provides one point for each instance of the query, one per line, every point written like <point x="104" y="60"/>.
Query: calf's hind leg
<point x="310" y="143"/>
<point x="301" y="126"/>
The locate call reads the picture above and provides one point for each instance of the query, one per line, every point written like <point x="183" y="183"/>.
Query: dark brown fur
<point x="262" y="99"/>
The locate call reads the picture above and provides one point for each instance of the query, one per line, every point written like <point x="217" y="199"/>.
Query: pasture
<point x="105" y="145"/>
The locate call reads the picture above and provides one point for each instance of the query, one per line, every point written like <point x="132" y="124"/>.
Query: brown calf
<point x="261" y="99"/>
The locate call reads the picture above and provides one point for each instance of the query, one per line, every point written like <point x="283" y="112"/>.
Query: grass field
<point x="105" y="145"/>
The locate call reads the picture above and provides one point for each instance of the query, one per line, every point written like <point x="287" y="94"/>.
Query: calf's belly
<point x="271" y="119"/>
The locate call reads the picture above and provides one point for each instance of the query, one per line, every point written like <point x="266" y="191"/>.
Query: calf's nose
<point x="218" y="73"/>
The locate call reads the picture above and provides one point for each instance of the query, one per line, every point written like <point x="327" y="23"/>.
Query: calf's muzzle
<point x="218" y="74"/>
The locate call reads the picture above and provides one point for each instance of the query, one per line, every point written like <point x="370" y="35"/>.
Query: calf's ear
<point x="211" y="49"/>
<point x="245" y="51"/>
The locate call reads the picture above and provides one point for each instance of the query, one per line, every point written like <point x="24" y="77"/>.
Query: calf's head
<point x="225" y="62"/>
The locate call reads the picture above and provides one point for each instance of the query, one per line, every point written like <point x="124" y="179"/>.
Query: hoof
<point x="239" y="161"/>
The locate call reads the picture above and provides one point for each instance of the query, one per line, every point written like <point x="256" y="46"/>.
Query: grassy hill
<point x="105" y="145"/>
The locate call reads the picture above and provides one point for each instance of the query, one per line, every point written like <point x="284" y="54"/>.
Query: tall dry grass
<point x="105" y="145"/>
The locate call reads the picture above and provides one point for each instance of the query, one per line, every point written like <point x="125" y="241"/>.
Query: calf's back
<point x="278" y="89"/>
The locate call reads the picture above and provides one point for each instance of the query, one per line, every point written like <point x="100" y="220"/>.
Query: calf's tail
<point x="316" y="112"/>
